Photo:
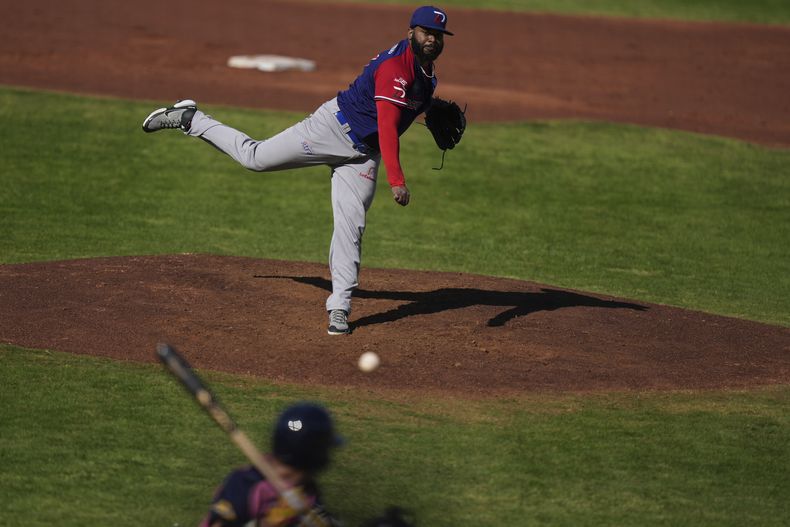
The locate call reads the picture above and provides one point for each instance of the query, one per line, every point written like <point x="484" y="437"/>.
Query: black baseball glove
<point x="446" y="121"/>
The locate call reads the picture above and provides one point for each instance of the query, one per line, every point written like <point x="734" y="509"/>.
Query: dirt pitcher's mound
<point x="442" y="331"/>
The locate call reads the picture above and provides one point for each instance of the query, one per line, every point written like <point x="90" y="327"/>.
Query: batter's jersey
<point x="395" y="76"/>
<point x="244" y="496"/>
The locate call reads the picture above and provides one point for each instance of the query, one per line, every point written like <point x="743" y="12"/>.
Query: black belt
<point x="359" y="145"/>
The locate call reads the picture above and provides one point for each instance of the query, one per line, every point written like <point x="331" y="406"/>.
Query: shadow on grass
<point x="429" y="302"/>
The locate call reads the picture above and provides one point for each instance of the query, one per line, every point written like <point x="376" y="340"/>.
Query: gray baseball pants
<point x="317" y="140"/>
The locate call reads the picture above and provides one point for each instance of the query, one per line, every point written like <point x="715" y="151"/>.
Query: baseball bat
<point x="179" y="367"/>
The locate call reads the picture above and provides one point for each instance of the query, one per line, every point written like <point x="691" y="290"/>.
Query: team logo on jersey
<point x="294" y="426"/>
<point x="400" y="91"/>
<point x="440" y="17"/>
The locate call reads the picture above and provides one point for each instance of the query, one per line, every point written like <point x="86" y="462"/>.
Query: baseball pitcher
<point x="352" y="133"/>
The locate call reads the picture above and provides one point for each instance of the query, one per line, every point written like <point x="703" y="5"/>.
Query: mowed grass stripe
<point x="656" y="215"/>
<point x="755" y="11"/>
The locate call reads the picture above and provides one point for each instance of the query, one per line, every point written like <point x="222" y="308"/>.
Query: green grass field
<point x="754" y="11"/>
<point x="95" y="442"/>
<point x="654" y="215"/>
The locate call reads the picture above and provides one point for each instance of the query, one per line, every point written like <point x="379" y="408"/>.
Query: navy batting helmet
<point x="303" y="437"/>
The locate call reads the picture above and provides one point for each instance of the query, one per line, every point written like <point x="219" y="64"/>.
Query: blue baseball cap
<point x="430" y="17"/>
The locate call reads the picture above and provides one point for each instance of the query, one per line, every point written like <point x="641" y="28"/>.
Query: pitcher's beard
<point x="421" y="55"/>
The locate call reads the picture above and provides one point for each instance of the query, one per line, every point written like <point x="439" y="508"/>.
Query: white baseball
<point x="369" y="361"/>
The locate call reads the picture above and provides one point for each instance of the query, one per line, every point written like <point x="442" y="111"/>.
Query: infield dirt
<point x="434" y="331"/>
<point x="727" y="79"/>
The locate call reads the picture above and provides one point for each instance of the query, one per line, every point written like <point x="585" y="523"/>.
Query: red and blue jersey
<point x="395" y="76"/>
